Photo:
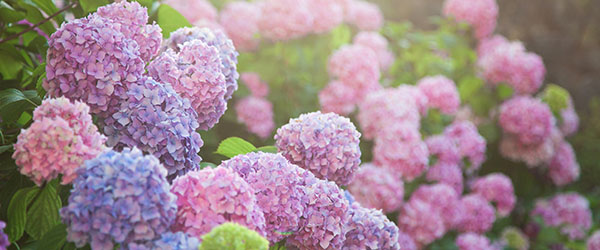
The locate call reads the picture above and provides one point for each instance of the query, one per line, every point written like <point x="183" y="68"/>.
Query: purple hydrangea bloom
<point x="157" y="121"/>
<point x="169" y="241"/>
<point x="4" y="243"/>
<point x="217" y="39"/>
<point x="280" y="189"/>
<point x="119" y="198"/>
<point x="325" y="144"/>
<point x="89" y="59"/>
<point x="370" y="229"/>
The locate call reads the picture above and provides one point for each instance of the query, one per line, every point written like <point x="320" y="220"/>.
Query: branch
<point x="39" y="23"/>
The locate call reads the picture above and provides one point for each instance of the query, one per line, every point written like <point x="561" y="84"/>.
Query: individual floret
<point x="496" y="188"/>
<point x="370" y="229"/>
<point x="377" y="187"/>
<point x="233" y="236"/>
<point x="257" y="114"/>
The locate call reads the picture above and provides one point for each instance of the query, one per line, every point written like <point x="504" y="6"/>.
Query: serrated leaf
<point x="170" y="20"/>
<point x="91" y="5"/>
<point x="267" y="149"/>
<point x="17" y="212"/>
<point x="43" y="214"/>
<point x="233" y="146"/>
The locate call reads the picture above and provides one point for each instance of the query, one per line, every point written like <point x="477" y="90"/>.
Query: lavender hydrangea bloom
<point x="4" y="243"/>
<point x="119" y="198"/>
<point x="90" y="60"/>
<point x="370" y="229"/>
<point x="214" y="38"/>
<point x="169" y="241"/>
<point x="279" y="186"/>
<point x="325" y="144"/>
<point x="157" y="121"/>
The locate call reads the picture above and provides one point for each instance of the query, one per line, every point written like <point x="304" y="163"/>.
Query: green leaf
<point x="340" y="35"/>
<point x="504" y="91"/>
<point x="49" y="8"/>
<point x="267" y="149"/>
<point x="170" y="20"/>
<point x="468" y="86"/>
<point x="13" y="103"/>
<point x="17" y="212"/>
<point x="56" y="238"/>
<point x="5" y="148"/>
<point x="91" y="5"/>
<point x="207" y="164"/>
<point x="10" y="15"/>
<point x="10" y="65"/>
<point x="233" y="146"/>
<point x="556" y="97"/>
<point x="43" y="214"/>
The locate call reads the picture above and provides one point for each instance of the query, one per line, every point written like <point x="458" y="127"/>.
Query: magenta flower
<point x="563" y="168"/>
<point x="401" y="150"/>
<point x="496" y="188"/>
<point x="478" y="214"/>
<point x="443" y="200"/>
<point x="527" y="118"/>
<point x="421" y="221"/>
<point x="387" y="108"/>
<point x="568" y="211"/>
<point x="356" y="66"/>
<point x="470" y="143"/>
<point x="370" y="229"/>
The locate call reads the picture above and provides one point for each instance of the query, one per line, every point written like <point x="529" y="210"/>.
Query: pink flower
<point x="447" y="173"/>
<point x="480" y="14"/>
<point x="364" y="15"/>
<point x="356" y="66"/>
<point x="406" y="242"/>
<point x="377" y="187"/>
<point x="285" y="19"/>
<point x="195" y="10"/>
<point x="417" y="95"/>
<point x="370" y="229"/>
<point x="489" y="44"/>
<point x="473" y="241"/>
<point x="569" y="122"/>
<point x="387" y="108"/>
<point x="569" y="211"/>
<point x="478" y="214"/>
<point x="257" y="87"/>
<point x="327" y="14"/>
<point x="441" y="93"/>
<point x="338" y="97"/>
<point x="533" y="155"/>
<point x="527" y="118"/>
<point x="444" y="200"/>
<point x="471" y="144"/>
<point x="401" y="150"/>
<point x="240" y="21"/>
<point x="421" y="221"/>
<point x="257" y="114"/>
<point x="563" y="168"/>
<point x="593" y="242"/>
<point x="379" y="45"/>
<point x="497" y="188"/>
<point x="444" y="148"/>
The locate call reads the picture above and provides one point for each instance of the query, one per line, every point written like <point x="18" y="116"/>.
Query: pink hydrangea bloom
<point x="447" y="173"/>
<point x="257" y="87"/>
<point x="480" y="14"/>
<point x="379" y="45"/>
<point x="441" y="93"/>
<point x="478" y="214"/>
<point x="421" y="221"/>
<point x="417" y="95"/>
<point x="257" y="114"/>
<point x="406" y="242"/>
<point x="444" y="200"/>
<point x="327" y="14"/>
<point x="325" y="144"/>
<point x="285" y="19"/>
<point x="377" y="187"/>
<point x="471" y="144"/>
<point x="59" y="140"/>
<point x="568" y="211"/>
<point x="533" y="155"/>
<point x="338" y="97"/>
<point x="563" y="168"/>
<point x="527" y="118"/>
<point x="593" y="242"/>
<point x="279" y="186"/>
<point x="384" y="108"/>
<point x="212" y="196"/>
<point x="240" y="21"/>
<point x="489" y="44"/>
<point x="370" y="229"/>
<point x="497" y="188"/>
<point x="444" y="148"/>
<point x="195" y="10"/>
<point x="364" y="15"/>
<point x="402" y="151"/>
<point x="569" y="122"/>
<point x="357" y="66"/>
<point x="473" y="241"/>
<point x="322" y="224"/>
<point x="195" y="73"/>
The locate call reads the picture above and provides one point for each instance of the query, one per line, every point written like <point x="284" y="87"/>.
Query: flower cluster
<point x="158" y="121"/>
<point x="377" y="187"/>
<point x="257" y="114"/>
<point x="378" y="44"/>
<point x="441" y="93"/>
<point x="527" y="118"/>
<point x="285" y="19"/>
<point x="327" y="14"/>
<point x="370" y="229"/>
<point x="479" y="214"/>
<point x="443" y="200"/>
<point x="195" y="11"/>
<point x="447" y="173"/>
<point x="400" y="149"/>
<point x="419" y="220"/>
<point x="533" y="155"/>
<point x="210" y="197"/>
<point x="119" y="198"/>
<point x="364" y="15"/>
<point x="4" y="243"/>
<point x="279" y="187"/>
<point x="256" y="86"/>
<point x="356" y="66"/>
<point x="406" y="242"/>
<point x="195" y="74"/>
<point x="59" y="140"/>
<point x="384" y="109"/>
<point x="325" y="144"/>
<point x="569" y="211"/>
<point x="233" y="236"/>
<point x="496" y="188"/>
<point x="481" y="14"/>
<point x="169" y="241"/>
<point x="471" y="145"/>
<point x="593" y="242"/>
<point x="337" y="97"/>
<point x="563" y="168"/>
<point x="240" y="21"/>
<point x="473" y="241"/>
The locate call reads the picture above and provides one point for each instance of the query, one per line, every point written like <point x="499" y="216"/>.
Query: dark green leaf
<point x="43" y="213"/>
<point x="170" y="20"/>
<point x="17" y="212"/>
<point x="56" y="238"/>
<point x="10" y="15"/>
<point x="207" y="164"/>
<point x="10" y="65"/>
<point x="233" y="146"/>
<point x="90" y="6"/>
<point x="267" y="149"/>
<point x="4" y="148"/>
<point x="49" y="8"/>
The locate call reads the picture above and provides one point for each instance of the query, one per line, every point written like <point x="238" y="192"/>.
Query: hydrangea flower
<point x="169" y="241"/>
<point x="257" y="114"/>
<point x="212" y="196"/>
<point x="563" y="168"/>
<point x="441" y="93"/>
<point x="215" y="38"/>
<point x="444" y="148"/>
<point x="417" y="95"/>
<point x="132" y="18"/>
<point x="119" y="198"/>
<point x="327" y="14"/>
<point x="568" y="211"/>
<point x="593" y="242"/>
<point x="443" y="199"/>
<point x="338" y="98"/>
<point x="356" y="66"/>
<point x="279" y="187"/>
<point x="322" y="224"/>
<point x="233" y="236"/>
<point x="447" y="173"/>
<point x="364" y="15"/>
<point x="478" y="214"/>
<point x="423" y="223"/>
<point x="59" y="140"/>
<point x="401" y="150"/>
<point x="481" y="14"/>
<point x="377" y="187"/>
<point x="159" y="122"/>
<point x="283" y="20"/>
<point x="406" y="242"/>
<point x="496" y="188"/>
<point x="240" y="21"/>
<point x="89" y="59"/>
<point x="195" y="74"/>
<point x="533" y="155"/>
<point x="528" y="118"/>
<point x="386" y="108"/>
<point x="257" y="87"/>
<point x="4" y="243"/>
<point x="195" y="11"/>
<point x="489" y="44"/>
<point x="569" y="120"/>
<point x="378" y="44"/>
<point x="325" y="144"/>
<point x="370" y="229"/>
<point x="473" y="241"/>
<point x="471" y="144"/>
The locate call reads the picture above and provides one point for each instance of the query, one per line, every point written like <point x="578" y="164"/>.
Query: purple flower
<point x="4" y="243"/>
<point x="370" y="229"/>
